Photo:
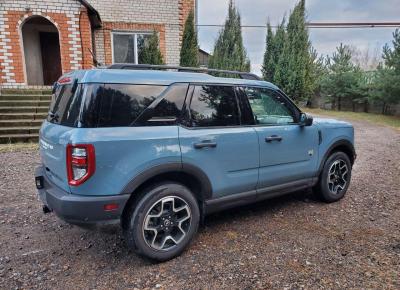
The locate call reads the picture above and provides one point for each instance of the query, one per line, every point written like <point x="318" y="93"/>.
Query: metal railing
<point x="242" y="75"/>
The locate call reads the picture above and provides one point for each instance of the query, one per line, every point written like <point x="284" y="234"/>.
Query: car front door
<point x="213" y="140"/>
<point x="288" y="150"/>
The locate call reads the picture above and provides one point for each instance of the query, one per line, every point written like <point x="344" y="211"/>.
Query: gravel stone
<point x="290" y="242"/>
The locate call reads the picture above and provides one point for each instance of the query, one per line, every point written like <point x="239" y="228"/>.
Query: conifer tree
<point x="189" y="49"/>
<point x="289" y="63"/>
<point x="294" y="74"/>
<point x="273" y="50"/>
<point x="150" y="51"/>
<point x="229" y="52"/>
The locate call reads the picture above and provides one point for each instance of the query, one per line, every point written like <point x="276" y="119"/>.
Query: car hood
<point x="331" y="123"/>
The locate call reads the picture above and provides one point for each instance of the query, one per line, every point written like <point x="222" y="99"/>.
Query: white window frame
<point x="135" y="35"/>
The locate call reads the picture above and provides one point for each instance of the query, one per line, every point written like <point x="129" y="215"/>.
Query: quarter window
<point x="269" y="107"/>
<point x="127" y="46"/>
<point x="214" y="106"/>
<point x="122" y="104"/>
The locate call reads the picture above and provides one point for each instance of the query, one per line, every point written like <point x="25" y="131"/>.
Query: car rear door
<point x="213" y="140"/>
<point x="288" y="151"/>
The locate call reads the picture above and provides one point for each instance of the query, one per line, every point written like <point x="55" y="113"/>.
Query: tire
<point x="335" y="177"/>
<point x="162" y="223"/>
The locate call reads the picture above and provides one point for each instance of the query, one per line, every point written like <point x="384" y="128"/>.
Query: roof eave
<point x="94" y="16"/>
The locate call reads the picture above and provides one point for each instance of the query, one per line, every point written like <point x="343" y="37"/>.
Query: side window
<point x="121" y="104"/>
<point x="214" y="106"/>
<point x="269" y="107"/>
<point x="165" y="110"/>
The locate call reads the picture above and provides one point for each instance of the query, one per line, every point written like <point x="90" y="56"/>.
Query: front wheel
<point x="335" y="177"/>
<point x="163" y="222"/>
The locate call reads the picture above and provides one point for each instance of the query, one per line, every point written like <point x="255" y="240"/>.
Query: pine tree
<point x="289" y="64"/>
<point x="275" y="44"/>
<point x="189" y="49"/>
<point x="343" y="78"/>
<point x="268" y="68"/>
<point x="392" y="56"/>
<point x="229" y="52"/>
<point x="387" y="81"/>
<point x="296" y="56"/>
<point x="150" y="51"/>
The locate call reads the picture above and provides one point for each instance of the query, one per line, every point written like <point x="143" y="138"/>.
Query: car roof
<point x="159" y="77"/>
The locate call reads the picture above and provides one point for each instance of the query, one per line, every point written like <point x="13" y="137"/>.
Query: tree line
<point x="291" y="62"/>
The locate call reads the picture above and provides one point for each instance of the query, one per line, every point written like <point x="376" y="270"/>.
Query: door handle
<point x="273" y="138"/>
<point x="204" y="144"/>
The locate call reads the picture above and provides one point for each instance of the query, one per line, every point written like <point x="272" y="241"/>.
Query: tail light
<point x="81" y="163"/>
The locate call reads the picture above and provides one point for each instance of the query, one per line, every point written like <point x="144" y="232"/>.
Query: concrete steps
<point x="20" y="122"/>
<point x="21" y="114"/>
<point x="19" y="97"/>
<point x="19" y="138"/>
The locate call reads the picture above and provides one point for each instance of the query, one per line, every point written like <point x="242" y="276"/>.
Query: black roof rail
<point x="242" y="75"/>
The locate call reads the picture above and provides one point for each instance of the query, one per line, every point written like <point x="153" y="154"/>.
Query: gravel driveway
<point x="291" y="242"/>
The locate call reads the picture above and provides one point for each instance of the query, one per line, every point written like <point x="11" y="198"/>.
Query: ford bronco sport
<point x="160" y="149"/>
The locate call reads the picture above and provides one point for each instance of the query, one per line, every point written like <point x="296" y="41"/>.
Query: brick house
<point x="40" y="40"/>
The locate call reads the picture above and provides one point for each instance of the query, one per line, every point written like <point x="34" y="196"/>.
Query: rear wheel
<point x="163" y="222"/>
<point x="335" y="177"/>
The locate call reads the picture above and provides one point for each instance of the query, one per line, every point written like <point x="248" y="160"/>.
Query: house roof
<point x="204" y="52"/>
<point x="94" y="16"/>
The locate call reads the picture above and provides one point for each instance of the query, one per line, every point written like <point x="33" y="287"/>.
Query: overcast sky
<point x="257" y="12"/>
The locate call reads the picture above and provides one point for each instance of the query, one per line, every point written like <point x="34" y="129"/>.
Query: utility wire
<point x="325" y="25"/>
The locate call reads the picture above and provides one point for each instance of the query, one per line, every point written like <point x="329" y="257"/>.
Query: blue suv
<point x="158" y="150"/>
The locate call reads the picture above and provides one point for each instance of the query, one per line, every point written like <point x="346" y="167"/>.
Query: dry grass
<point x="390" y="121"/>
<point x="14" y="147"/>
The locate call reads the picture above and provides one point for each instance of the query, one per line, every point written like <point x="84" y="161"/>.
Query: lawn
<point x="391" y="121"/>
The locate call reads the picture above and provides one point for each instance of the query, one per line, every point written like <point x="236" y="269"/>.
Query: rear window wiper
<point x="53" y="116"/>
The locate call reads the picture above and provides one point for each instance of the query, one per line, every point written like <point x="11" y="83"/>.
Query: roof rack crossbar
<point x="242" y="75"/>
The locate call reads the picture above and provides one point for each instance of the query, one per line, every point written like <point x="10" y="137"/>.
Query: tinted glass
<point x="65" y="106"/>
<point x="269" y="107"/>
<point x="91" y="104"/>
<point x="122" y="104"/>
<point x="214" y="106"/>
<point x="165" y="110"/>
<point x="246" y="113"/>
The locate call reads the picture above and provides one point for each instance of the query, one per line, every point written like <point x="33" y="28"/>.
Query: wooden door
<point x="51" y="58"/>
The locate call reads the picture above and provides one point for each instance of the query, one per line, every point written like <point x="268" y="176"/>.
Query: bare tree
<point x="366" y="58"/>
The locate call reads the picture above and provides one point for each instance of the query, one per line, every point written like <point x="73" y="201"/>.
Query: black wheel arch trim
<point x="171" y="167"/>
<point x="332" y="148"/>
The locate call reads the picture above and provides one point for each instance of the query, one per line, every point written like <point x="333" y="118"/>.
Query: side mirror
<point x="305" y="119"/>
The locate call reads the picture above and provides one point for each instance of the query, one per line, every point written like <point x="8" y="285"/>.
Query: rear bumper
<point x="78" y="209"/>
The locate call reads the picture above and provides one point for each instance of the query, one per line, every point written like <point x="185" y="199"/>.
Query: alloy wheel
<point x="166" y="223"/>
<point x="337" y="176"/>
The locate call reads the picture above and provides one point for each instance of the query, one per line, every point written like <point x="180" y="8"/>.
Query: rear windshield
<point x="65" y="106"/>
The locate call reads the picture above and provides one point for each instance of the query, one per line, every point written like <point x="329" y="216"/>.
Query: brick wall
<point x="166" y="16"/>
<point x="105" y="35"/>
<point x="64" y="15"/>
<point x="185" y="6"/>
